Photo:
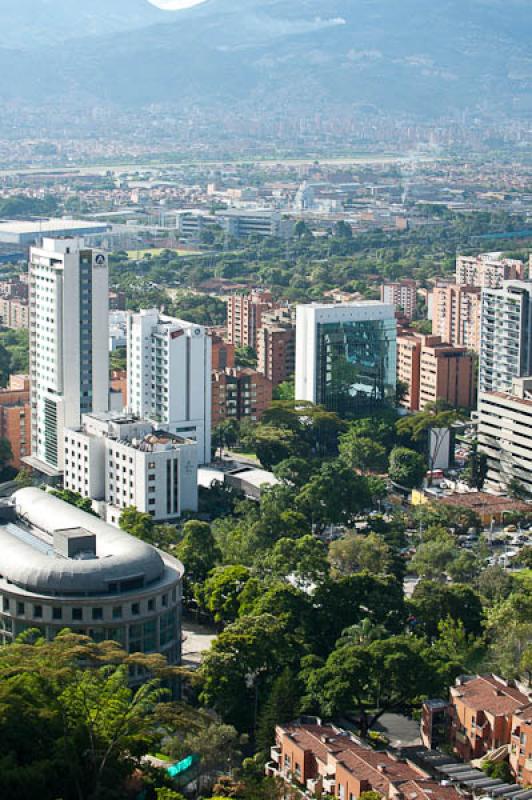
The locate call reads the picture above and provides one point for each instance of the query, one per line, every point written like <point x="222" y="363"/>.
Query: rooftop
<point x="38" y="532"/>
<point x="47" y="226"/>
<point x="490" y="694"/>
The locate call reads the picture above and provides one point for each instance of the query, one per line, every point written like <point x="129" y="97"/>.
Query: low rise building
<point x="64" y="568"/>
<point x="402" y="295"/>
<point x="324" y="759"/>
<point x="481" y="713"/>
<point x="521" y="745"/>
<point x="15" y="417"/>
<point x="239" y="394"/>
<point x="120" y="461"/>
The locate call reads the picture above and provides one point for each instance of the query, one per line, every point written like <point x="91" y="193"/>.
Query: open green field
<point x="156" y="251"/>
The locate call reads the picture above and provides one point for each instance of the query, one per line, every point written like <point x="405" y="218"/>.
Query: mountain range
<point x="403" y="56"/>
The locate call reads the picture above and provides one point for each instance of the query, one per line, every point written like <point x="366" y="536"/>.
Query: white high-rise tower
<point x="169" y="376"/>
<point x="69" y="359"/>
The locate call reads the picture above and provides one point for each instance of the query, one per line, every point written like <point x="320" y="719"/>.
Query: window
<point x="97" y="613"/>
<point x="135" y="609"/>
<point x="77" y="614"/>
<point x="57" y="613"/>
<point x="20" y="609"/>
<point x="151" y="604"/>
<point x="5" y="603"/>
<point x="117" y="612"/>
<point x="37" y="612"/>
<point x="164" y="600"/>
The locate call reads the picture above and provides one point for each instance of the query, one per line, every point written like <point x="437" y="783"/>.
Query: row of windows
<point x="79" y="614"/>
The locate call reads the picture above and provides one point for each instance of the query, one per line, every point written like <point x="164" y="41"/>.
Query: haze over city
<point x="265" y="400"/>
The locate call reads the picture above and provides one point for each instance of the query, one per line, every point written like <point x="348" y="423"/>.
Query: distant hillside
<point x="399" y="55"/>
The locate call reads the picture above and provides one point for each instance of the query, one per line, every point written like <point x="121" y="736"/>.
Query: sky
<point x="175" y="5"/>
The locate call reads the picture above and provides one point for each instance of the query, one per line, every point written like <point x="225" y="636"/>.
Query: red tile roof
<point x="491" y="694"/>
<point x="428" y="790"/>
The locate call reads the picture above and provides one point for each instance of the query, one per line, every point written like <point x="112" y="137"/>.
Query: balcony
<point x="275" y="754"/>
<point x="329" y="785"/>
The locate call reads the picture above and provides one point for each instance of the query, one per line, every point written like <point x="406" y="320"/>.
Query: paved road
<point x="196" y="640"/>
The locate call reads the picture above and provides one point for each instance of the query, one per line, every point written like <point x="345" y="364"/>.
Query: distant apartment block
<point x="14" y="313"/>
<point x="488" y="270"/>
<point x="506" y="336"/>
<point x="276" y="346"/>
<point x="402" y="295"/>
<point x="244" y="316"/>
<point x="120" y="461"/>
<point x="433" y="370"/>
<point x="237" y="222"/>
<point x="456" y="315"/>
<point x="15" y="417"/>
<point x="326" y="760"/>
<point x="505" y="435"/>
<point x="169" y="376"/>
<point x="239" y="394"/>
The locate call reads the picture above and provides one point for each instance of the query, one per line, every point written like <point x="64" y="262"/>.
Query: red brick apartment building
<point x="484" y="713"/>
<point x="521" y="745"/>
<point x="239" y="394"/>
<point x="244" y="316"/>
<point x="433" y="370"/>
<point x="15" y="417"/>
<point x="325" y="759"/>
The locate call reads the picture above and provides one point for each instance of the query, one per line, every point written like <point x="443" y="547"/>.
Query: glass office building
<point x="346" y="356"/>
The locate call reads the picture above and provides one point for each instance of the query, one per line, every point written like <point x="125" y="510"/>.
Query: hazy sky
<point x="175" y="5"/>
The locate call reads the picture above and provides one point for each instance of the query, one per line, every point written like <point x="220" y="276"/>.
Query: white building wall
<point x="57" y="371"/>
<point x="308" y="317"/>
<point x="178" y="396"/>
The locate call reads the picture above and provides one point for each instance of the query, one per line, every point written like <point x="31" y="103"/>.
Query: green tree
<point x="198" y="551"/>
<point x="238" y="671"/>
<point x="217" y="746"/>
<point x="457" y="646"/>
<point x="245" y="357"/>
<point x="388" y="674"/>
<point x="435" y="420"/>
<point x="71" y="731"/>
<point x="360" y="452"/>
<point x="221" y="592"/>
<point x="280" y="707"/>
<point x="304" y="559"/>
<point x="356" y="552"/>
<point x="476" y="468"/>
<point x="75" y="499"/>
<point x="406" y="467"/>
<point x="432" y="602"/>
<point x="433" y="558"/>
<point x="333" y="495"/>
<point x="137" y="523"/>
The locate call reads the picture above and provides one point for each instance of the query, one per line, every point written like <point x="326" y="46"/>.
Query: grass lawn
<point x="156" y="251"/>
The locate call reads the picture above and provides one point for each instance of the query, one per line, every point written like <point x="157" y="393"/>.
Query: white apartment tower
<point x="169" y="376"/>
<point x="488" y="270"/>
<point x="506" y="336"/>
<point x="69" y="360"/>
